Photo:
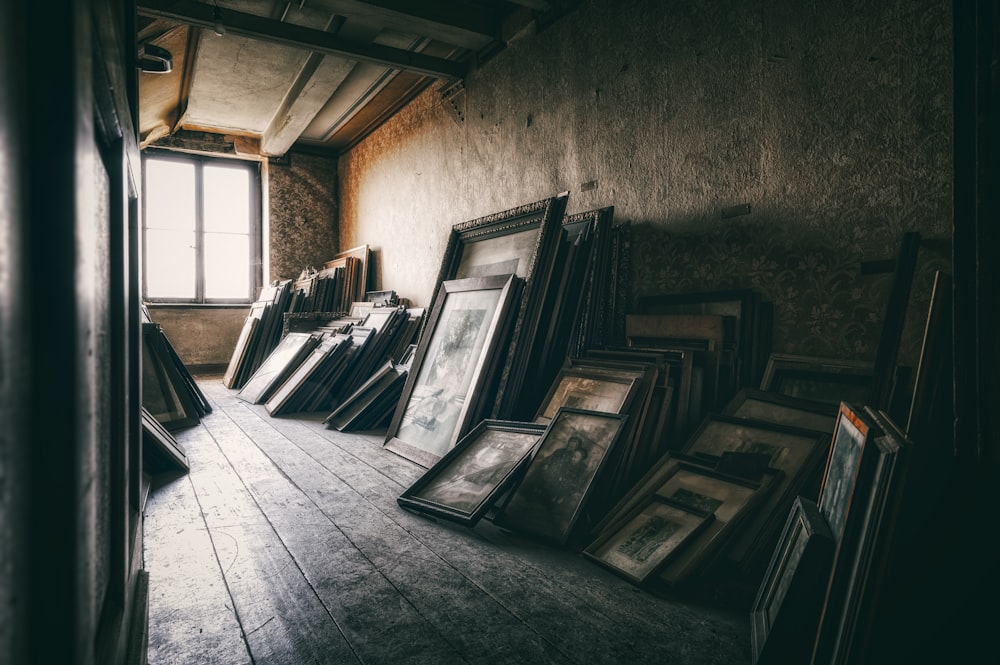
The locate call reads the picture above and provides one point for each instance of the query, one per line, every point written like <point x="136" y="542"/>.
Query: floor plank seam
<point x="292" y="558"/>
<point x="249" y="436"/>
<point x="249" y="412"/>
<point x="229" y="591"/>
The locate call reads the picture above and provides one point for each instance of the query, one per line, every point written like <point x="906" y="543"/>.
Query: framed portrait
<point x="830" y="380"/>
<point x="464" y="483"/>
<point x="647" y="539"/>
<point x="796" y="453"/>
<point x="551" y="496"/>
<point x="452" y="367"/>
<point x="786" y="609"/>
<point x="851" y="436"/>
<point x="522" y="241"/>
<point x="782" y="409"/>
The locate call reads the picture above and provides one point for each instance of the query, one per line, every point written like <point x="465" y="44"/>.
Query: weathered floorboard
<point x="314" y="512"/>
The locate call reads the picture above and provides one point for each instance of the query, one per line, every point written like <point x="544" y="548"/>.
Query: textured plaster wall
<point x="303" y="214"/>
<point x="832" y="120"/>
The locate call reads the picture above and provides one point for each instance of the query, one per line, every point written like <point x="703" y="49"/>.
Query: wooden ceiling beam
<point x="265" y="29"/>
<point x="453" y="22"/>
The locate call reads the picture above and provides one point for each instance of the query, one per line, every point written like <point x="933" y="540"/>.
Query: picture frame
<point x="279" y="364"/>
<point x="730" y="499"/>
<point x="363" y="255"/>
<point x="292" y="395"/>
<point x="782" y="409"/>
<point x="551" y="496"/>
<point x="743" y="306"/>
<point x="849" y="483"/>
<point x="866" y="581"/>
<point x="522" y="241"/>
<point x="464" y="483"/>
<point x="820" y="379"/>
<point x="797" y="453"/>
<point x="452" y="367"/>
<point x="786" y="608"/>
<point x="647" y="539"/>
<point x="578" y="387"/>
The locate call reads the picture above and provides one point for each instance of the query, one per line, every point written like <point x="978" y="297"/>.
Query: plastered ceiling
<point x="319" y="73"/>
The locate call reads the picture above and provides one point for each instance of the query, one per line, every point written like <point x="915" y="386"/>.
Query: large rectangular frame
<point x="534" y="229"/>
<point x="445" y="348"/>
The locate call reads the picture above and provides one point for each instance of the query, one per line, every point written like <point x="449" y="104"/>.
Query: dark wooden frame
<point x="507" y="288"/>
<point x="545" y="217"/>
<point x="831" y="371"/>
<point x="752" y="345"/>
<point x="760" y="529"/>
<point x="787" y="606"/>
<point x="511" y="514"/>
<point x="363" y="254"/>
<point x="549" y="406"/>
<point x="416" y="498"/>
<point x="693" y="523"/>
<point x="782" y="409"/>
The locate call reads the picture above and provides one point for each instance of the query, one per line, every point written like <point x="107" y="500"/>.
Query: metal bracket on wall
<point x="453" y="96"/>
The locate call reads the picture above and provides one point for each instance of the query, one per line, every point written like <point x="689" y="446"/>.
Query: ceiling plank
<point x="264" y="29"/>
<point x="450" y="21"/>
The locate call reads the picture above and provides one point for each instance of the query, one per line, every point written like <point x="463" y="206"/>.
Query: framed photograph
<point x="648" y="539"/>
<point x="829" y="380"/>
<point x="796" y="453"/>
<point x="522" y="241"/>
<point x="782" y="409"/>
<point x="463" y="485"/>
<point x="578" y="388"/>
<point x="785" y="612"/>
<point x="557" y="483"/>
<point x="452" y="367"/>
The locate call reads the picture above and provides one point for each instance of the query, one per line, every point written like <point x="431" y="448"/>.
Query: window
<point x="201" y="229"/>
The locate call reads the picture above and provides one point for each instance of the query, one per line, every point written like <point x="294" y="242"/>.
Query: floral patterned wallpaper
<point x="303" y="211"/>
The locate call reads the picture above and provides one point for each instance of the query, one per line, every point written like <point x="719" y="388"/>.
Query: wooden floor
<point x="285" y="544"/>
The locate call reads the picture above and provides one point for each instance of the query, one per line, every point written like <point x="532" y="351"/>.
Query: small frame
<point x="796" y="453"/>
<point x="829" y="380"/>
<point x="452" y="367"/>
<point x="592" y="390"/>
<point x="782" y="409"/>
<point x="648" y="539"/>
<point x="785" y="612"/>
<point x="463" y="485"/>
<point x="551" y="496"/>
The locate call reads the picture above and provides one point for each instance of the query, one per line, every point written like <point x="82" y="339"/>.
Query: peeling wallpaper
<point x="303" y="214"/>
<point x="831" y="120"/>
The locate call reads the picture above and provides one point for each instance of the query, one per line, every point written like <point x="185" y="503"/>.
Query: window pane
<point x="170" y="262"/>
<point x="170" y="195"/>
<point x="227" y="270"/>
<point x="227" y="199"/>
